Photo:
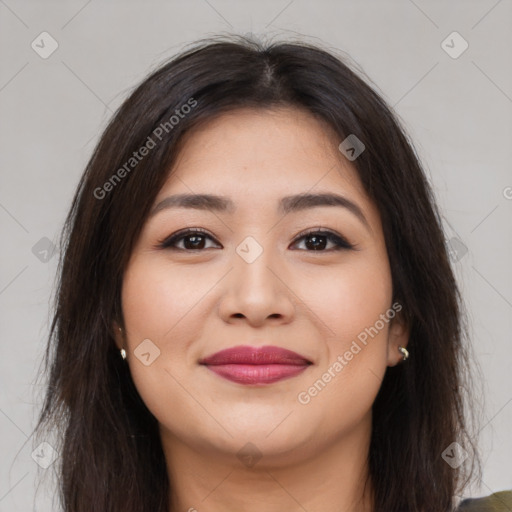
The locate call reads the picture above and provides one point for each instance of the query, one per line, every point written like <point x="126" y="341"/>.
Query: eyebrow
<point x="287" y="204"/>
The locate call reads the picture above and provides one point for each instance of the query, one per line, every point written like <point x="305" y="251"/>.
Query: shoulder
<point x="497" y="502"/>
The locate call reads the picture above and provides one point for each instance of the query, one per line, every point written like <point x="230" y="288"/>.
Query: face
<point x="311" y="277"/>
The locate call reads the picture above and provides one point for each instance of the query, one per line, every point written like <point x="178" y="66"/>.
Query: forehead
<point x="258" y="151"/>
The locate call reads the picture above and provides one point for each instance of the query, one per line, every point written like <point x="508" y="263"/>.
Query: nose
<point x="256" y="291"/>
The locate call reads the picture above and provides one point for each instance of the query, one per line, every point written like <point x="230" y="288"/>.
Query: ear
<point x="118" y="335"/>
<point x="398" y="336"/>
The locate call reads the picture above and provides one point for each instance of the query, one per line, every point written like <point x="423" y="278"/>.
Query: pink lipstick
<point x="256" y="365"/>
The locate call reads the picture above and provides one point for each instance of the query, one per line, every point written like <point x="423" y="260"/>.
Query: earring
<point x="404" y="352"/>
<point x="123" y="351"/>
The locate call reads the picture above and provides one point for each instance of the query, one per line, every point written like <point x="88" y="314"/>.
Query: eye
<point x="317" y="240"/>
<point x="194" y="239"/>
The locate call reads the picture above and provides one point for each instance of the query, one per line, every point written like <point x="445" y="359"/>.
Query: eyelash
<point x="340" y="242"/>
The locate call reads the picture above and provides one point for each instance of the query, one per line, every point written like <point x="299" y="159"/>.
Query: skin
<point x="314" y="302"/>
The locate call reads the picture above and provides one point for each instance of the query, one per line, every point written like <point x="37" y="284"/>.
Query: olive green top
<point x="497" y="502"/>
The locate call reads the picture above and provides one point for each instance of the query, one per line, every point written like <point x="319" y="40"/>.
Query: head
<point x="337" y="255"/>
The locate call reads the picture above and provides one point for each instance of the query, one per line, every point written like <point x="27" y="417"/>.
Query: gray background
<point x="457" y="110"/>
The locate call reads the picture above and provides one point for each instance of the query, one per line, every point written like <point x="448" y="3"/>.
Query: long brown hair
<point x="111" y="456"/>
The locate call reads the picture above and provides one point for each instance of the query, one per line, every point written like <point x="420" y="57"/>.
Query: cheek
<point x="349" y="299"/>
<point x="351" y="304"/>
<point x="153" y="304"/>
<point x="157" y="296"/>
<point x="162" y="303"/>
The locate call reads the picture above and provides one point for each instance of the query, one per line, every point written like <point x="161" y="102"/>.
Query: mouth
<point x="256" y="365"/>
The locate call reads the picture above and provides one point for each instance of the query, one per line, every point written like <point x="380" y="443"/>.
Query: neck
<point x="331" y="478"/>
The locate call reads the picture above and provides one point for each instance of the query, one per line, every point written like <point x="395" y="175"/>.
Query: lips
<point x="256" y="365"/>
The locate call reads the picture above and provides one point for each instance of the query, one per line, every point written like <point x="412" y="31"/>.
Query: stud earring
<point x="404" y="352"/>
<point x="123" y="351"/>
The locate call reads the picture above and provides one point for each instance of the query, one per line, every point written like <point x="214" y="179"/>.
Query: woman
<point x="256" y="310"/>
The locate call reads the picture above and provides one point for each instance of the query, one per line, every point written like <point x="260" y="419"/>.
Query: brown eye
<point x="317" y="241"/>
<point x="196" y="239"/>
<point x="193" y="239"/>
